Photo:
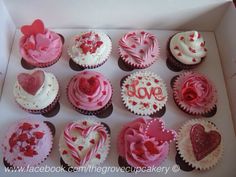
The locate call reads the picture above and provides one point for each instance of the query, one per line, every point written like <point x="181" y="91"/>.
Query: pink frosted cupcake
<point x="145" y="142"/>
<point x="83" y="143"/>
<point x="39" y="46"/>
<point x="36" y="93"/>
<point x="27" y="142"/>
<point x="89" y="92"/>
<point x="138" y="49"/>
<point x="195" y="94"/>
<point x="90" y="49"/>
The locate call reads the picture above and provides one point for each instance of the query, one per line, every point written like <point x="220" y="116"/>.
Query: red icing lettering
<point x="142" y="92"/>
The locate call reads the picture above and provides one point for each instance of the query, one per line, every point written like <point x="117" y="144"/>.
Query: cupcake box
<point x="154" y="16"/>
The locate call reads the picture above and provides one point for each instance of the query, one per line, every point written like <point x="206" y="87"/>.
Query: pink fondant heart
<point x="36" y="27"/>
<point x="42" y="41"/>
<point x="155" y="128"/>
<point x="88" y="86"/>
<point x="203" y="142"/>
<point x="31" y="83"/>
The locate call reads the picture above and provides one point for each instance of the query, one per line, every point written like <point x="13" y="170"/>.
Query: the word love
<point x="144" y="93"/>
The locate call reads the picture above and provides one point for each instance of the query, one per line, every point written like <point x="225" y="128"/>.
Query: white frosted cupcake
<point x="90" y="49"/>
<point x="199" y="144"/>
<point x="37" y="92"/>
<point x="84" y="143"/>
<point x="144" y="93"/>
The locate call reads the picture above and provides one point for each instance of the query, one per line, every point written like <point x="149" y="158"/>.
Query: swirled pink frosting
<point x="27" y="142"/>
<point x="139" y="149"/>
<point x="41" y="48"/>
<point x="195" y="91"/>
<point x="94" y="96"/>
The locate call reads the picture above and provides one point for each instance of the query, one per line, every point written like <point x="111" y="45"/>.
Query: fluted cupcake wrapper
<point x="44" y="110"/>
<point x="184" y="154"/>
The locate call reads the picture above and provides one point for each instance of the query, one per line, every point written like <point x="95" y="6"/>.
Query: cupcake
<point x="39" y="46"/>
<point x="36" y="93"/>
<point x="27" y="142"/>
<point x="185" y="50"/>
<point x="89" y="92"/>
<point x="90" y="49"/>
<point x="84" y="143"/>
<point x="195" y="94"/>
<point x="139" y="49"/>
<point x="145" y="142"/>
<point x="144" y="93"/>
<point x="199" y="144"/>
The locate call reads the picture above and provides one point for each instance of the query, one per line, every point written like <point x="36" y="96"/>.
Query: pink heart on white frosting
<point x="156" y="129"/>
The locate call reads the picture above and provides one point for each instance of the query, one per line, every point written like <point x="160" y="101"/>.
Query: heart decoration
<point x="139" y="46"/>
<point x="84" y="132"/>
<point x="31" y="83"/>
<point x="88" y="85"/>
<point x="155" y="128"/>
<point x="25" y="140"/>
<point x="36" y="27"/>
<point x="203" y="142"/>
<point x="42" y="41"/>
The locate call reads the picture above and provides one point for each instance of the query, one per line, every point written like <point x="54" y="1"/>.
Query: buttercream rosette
<point x="194" y="93"/>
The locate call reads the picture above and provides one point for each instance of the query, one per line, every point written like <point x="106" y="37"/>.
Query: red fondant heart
<point x="36" y="27"/>
<point x="155" y="128"/>
<point x="203" y="142"/>
<point x="88" y="86"/>
<point x="31" y="83"/>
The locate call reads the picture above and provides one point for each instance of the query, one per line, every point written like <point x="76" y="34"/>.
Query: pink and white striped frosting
<point x="139" y="48"/>
<point x="83" y="143"/>
<point x="93" y="102"/>
<point x="27" y="142"/>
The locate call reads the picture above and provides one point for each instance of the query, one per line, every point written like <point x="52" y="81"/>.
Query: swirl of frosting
<point x="41" y="48"/>
<point x="44" y="96"/>
<point x="139" y="149"/>
<point x="139" y="48"/>
<point x="89" y="90"/>
<point x="195" y="90"/>
<point x="188" y="47"/>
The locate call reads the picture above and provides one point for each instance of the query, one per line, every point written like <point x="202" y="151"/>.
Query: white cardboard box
<point x="214" y="18"/>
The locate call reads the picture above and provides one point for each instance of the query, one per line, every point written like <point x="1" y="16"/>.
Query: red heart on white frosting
<point x="203" y="142"/>
<point x="36" y="27"/>
<point x="155" y="128"/>
<point x="31" y="83"/>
